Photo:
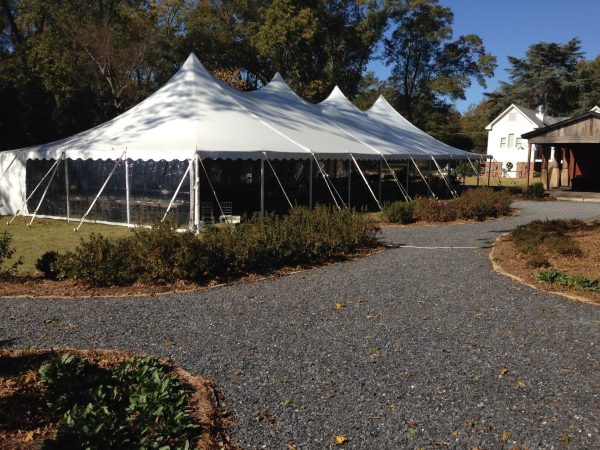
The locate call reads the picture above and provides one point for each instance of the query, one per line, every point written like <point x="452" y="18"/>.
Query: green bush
<point x="135" y="404"/>
<point x="47" y="265"/>
<point x="399" y="212"/>
<point x="535" y="191"/>
<point x="263" y="243"/>
<point x="7" y="267"/>
<point x="529" y="238"/>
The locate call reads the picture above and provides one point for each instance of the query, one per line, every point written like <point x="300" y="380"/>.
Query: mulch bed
<point x="25" y="421"/>
<point x="509" y="260"/>
<point x="37" y="286"/>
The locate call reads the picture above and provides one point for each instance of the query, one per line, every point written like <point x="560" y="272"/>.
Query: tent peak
<point x="277" y="77"/>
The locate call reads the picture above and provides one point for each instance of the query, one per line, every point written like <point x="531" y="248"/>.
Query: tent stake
<point x="366" y="182"/>
<point x="176" y="192"/>
<point x="33" y="192"/>
<point x="279" y="182"/>
<point x="101" y="190"/>
<point x="45" y="191"/>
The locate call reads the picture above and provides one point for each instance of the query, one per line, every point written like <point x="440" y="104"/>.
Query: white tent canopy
<point x="194" y="111"/>
<point x="196" y="114"/>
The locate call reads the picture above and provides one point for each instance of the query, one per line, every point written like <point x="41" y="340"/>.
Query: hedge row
<point x="261" y="244"/>
<point x="477" y="204"/>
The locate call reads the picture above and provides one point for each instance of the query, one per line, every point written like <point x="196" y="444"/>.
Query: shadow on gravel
<point x="7" y="342"/>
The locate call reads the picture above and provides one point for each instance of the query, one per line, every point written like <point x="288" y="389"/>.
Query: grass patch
<point x="49" y="235"/>
<point x="521" y="182"/>
<point x="562" y="279"/>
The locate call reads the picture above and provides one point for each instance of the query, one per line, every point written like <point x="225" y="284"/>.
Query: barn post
<point x="127" y="188"/>
<point x="310" y="184"/>
<point x="528" y="169"/>
<point x="262" y="185"/>
<point x="67" y="186"/>
<point x="489" y="166"/>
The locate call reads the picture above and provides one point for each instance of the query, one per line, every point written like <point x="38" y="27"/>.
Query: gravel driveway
<point x="432" y="349"/>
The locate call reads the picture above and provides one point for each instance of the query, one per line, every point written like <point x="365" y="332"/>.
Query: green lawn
<point x="522" y="182"/>
<point x="47" y="234"/>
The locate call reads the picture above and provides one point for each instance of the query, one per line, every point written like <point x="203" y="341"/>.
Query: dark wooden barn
<point x="570" y="153"/>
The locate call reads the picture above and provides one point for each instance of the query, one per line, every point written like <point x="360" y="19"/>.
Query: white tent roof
<point x="194" y="112"/>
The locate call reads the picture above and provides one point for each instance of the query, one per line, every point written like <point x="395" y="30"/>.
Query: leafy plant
<point x="7" y="252"/>
<point x="403" y="212"/>
<point x="554" y="276"/>
<point x="47" y="265"/>
<point x="135" y="404"/>
<point x="535" y="191"/>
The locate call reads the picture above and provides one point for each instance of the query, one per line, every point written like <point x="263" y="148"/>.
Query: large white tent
<point x="195" y="116"/>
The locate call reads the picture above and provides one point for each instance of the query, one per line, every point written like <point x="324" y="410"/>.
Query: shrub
<point x="482" y="203"/>
<point x="537" y="260"/>
<point x="535" y="191"/>
<point x="47" y="265"/>
<point x="7" y="268"/>
<point x="262" y="243"/>
<point x="402" y="212"/>
<point x="135" y="404"/>
<point x="99" y="261"/>
<point x="530" y="237"/>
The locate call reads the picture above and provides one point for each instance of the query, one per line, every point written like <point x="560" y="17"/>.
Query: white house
<point x="505" y="144"/>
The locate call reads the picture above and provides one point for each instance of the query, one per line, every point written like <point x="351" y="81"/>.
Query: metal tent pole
<point x="349" y="180"/>
<point x="197" y="190"/>
<point x="100" y="191"/>
<point x="127" y="189"/>
<point x="365" y="180"/>
<point x="45" y="192"/>
<point x="67" y="187"/>
<point x="452" y="191"/>
<point x="192" y="183"/>
<point x="407" y="175"/>
<point x="200" y="162"/>
<point x="489" y="164"/>
<point x="379" y="179"/>
<point x="402" y="191"/>
<point x="176" y="192"/>
<point x="424" y="179"/>
<point x="310" y="184"/>
<point x="278" y="181"/>
<point x="327" y="182"/>
<point x="262" y="186"/>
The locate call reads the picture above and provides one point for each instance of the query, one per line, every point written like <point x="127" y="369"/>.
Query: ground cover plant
<point x="474" y="204"/>
<point x="535" y="191"/>
<point x="560" y="278"/>
<point x="263" y="243"/>
<point x="104" y="399"/>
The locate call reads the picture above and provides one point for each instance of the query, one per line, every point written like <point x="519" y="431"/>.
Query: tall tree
<point x="429" y="67"/>
<point x="546" y="76"/>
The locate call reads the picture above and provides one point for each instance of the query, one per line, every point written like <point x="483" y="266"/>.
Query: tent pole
<point x="349" y="180"/>
<point x="176" y="193"/>
<point x="197" y="162"/>
<point x="424" y="180"/>
<point x="278" y="181"/>
<point x="326" y="182"/>
<point x="262" y="186"/>
<point x="192" y="181"/>
<point x="379" y="179"/>
<point x="429" y="172"/>
<point x="33" y="192"/>
<point x="127" y="189"/>
<point x="45" y="192"/>
<point x="67" y="188"/>
<point x="310" y="184"/>
<point x="100" y="191"/>
<point x="402" y="191"/>
<point x="407" y="175"/>
<point x="366" y="182"/>
<point x="452" y="191"/>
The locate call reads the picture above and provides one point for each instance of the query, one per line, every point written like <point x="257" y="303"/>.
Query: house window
<point x="511" y="141"/>
<point x="502" y="142"/>
<point x="519" y="143"/>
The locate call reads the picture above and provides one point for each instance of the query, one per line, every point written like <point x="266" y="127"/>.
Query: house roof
<point x="530" y="114"/>
<point x="561" y="124"/>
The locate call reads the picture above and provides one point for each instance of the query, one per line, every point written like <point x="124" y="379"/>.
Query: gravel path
<point x="431" y="349"/>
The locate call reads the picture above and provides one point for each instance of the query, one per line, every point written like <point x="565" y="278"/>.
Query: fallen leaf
<point x="504" y="370"/>
<point x="287" y="402"/>
<point x="339" y="306"/>
<point x="456" y="433"/>
<point x="521" y="384"/>
<point x="477" y="378"/>
<point x="28" y="436"/>
<point x="341" y="439"/>
<point x="291" y="447"/>
<point x="506" y="436"/>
